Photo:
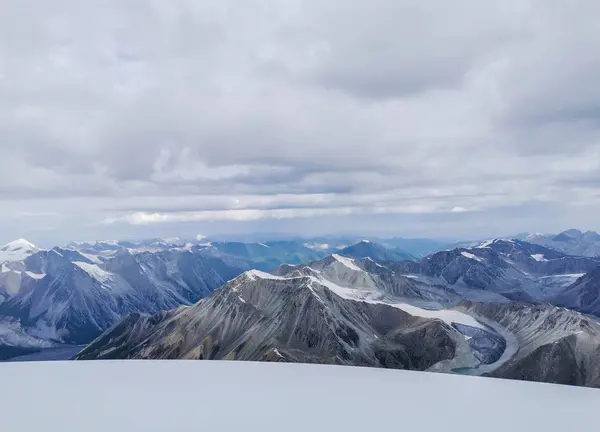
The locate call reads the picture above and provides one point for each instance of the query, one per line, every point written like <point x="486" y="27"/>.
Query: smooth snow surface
<point x="471" y="256"/>
<point x="118" y="396"/>
<point x="348" y="262"/>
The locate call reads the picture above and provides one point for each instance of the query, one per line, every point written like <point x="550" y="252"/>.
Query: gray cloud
<point x="287" y="115"/>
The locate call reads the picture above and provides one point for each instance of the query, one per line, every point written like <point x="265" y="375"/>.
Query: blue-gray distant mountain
<point x="511" y="269"/>
<point x="417" y="247"/>
<point x="66" y="296"/>
<point x="583" y="295"/>
<point x="266" y="256"/>
<point x="375" y="251"/>
<point x="572" y="242"/>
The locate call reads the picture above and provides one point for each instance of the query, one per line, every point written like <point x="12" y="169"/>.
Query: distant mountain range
<point x="501" y="307"/>
<point x="572" y="242"/>
<point x="69" y="295"/>
<point x="66" y="296"/>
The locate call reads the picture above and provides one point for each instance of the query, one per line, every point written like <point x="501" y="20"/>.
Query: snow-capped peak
<point x="485" y="244"/>
<point x="17" y="250"/>
<point x="490" y="242"/>
<point x="18" y="244"/>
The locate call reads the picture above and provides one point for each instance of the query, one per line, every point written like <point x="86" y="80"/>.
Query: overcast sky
<point x="136" y="118"/>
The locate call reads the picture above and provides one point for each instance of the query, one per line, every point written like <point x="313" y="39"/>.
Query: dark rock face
<point x="417" y="349"/>
<point x="555" y="345"/>
<point x="583" y="295"/>
<point x="553" y="363"/>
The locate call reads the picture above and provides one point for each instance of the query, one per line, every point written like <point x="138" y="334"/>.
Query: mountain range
<point x="502" y="307"/>
<point x="572" y="242"/>
<point x="359" y="312"/>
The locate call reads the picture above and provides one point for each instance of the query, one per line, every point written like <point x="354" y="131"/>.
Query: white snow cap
<point x="18" y="244"/>
<point x="17" y="250"/>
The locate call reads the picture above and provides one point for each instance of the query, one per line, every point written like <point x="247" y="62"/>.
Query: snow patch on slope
<point x="539" y="257"/>
<point x="471" y="256"/>
<point x="35" y="275"/>
<point x="348" y="262"/>
<point x="94" y="271"/>
<point x="485" y="244"/>
<point x="446" y="315"/>
<point x="254" y="274"/>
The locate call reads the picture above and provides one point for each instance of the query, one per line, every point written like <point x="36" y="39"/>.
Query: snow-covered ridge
<point x="377" y="264"/>
<point x="254" y="274"/>
<point x="488" y="243"/>
<point x="94" y="271"/>
<point x="369" y="296"/>
<point x="348" y="262"/>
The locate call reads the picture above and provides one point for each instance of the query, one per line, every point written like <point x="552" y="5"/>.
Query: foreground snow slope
<point x="118" y="396"/>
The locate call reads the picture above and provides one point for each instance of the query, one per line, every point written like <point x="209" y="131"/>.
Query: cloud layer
<point x="390" y="116"/>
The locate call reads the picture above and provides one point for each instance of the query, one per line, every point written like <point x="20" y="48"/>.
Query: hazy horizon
<point x="274" y="236"/>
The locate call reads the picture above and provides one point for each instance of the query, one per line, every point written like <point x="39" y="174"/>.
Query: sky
<point x="143" y="118"/>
